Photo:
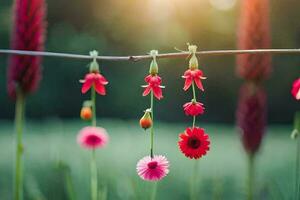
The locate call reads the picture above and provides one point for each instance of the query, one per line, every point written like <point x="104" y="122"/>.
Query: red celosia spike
<point x="251" y="116"/>
<point x="28" y="34"/>
<point x="254" y="33"/>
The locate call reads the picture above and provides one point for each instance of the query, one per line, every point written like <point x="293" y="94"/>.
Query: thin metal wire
<point x="144" y="57"/>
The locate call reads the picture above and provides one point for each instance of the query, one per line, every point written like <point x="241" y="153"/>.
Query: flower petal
<point x="87" y="84"/>
<point x="147" y="90"/>
<point x="100" y="89"/>
<point x="187" y="84"/>
<point x="157" y="91"/>
<point x="199" y="83"/>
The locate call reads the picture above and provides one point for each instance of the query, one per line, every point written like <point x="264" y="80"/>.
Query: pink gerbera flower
<point x="153" y="169"/>
<point x="94" y="79"/>
<point x="193" y="108"/>
<point x="296" y="89"/>
<point x="154" y="84"/>
<point x="191" y="75"/>
<point x="92" y="137"/>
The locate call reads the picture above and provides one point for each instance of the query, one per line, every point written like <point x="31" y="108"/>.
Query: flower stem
<point x="250" y="176"/>
<point x="94" y="176"/>
<point x="297" y="169"/>
<point x="94" y="181"/>
<point x="19" y="120"/>
<point x="195" y="99"/>
<point x="93" y="99"/>
<point x="152" y="127"/>
<point x="193" y="184"/>
<point x="154" y="191"/>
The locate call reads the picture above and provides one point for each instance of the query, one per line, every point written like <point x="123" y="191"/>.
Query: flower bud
<point x="146" y="120"/>
<point x="193" y="63"/>
<point x="94" y="67"/>
<point x="153" y="66"/>
<point x="294" y="134"/>
<point x="86" y="113"/>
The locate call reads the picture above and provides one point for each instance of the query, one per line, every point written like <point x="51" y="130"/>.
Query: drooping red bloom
<point x="251" y="116"/>
<point x="28" y="33"/>
<point x="296" y="89"/>
<point x="94" y="79"/>
<point x="194" y="142"/>
<point x="193" y="108"/>
<point x="254" y="33"/>
<point x="154" y="84"/>
<point x="195" y="75"/>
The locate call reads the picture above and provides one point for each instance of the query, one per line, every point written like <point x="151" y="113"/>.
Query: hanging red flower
<point x="296" y="89"/>
<point x="195" y="75"/>
<point x="94" y="79"/>
<point x="193" y="108"/>
<point x="154" y="84"/>
<point x="194" y="143"/>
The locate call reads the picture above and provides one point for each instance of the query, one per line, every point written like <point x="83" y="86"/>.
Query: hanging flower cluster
<point x="153" y="167"/>
<point x="193" y="142"/>
<point x="92" y="137"/>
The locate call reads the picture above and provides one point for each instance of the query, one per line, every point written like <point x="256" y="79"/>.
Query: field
<point x="55" y="163"/>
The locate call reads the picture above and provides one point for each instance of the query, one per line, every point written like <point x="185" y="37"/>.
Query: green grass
<point x="221" y="172"/>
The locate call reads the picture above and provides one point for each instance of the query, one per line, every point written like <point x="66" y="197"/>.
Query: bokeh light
<point x="223" y="4"/>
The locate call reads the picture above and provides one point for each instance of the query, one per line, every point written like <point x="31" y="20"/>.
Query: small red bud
<point x="86" y="113"/>
<point x="146" y="120"/>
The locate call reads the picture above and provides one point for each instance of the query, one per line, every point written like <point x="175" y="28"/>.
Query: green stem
<point x="194" y="99"/>
<point x="193" y="184"/>
<point x="152" y="128"/>
<point x="154" y="191"/>
<point x="93" y="99"/>
<point x="297" y="169"/>
<point x="94" y="181"/>
<point x="94" y="176"/>
<point x="19" y="120"/>
<point x="250" y="177"/>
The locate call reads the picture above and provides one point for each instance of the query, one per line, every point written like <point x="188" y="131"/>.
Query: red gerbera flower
<point x="94" y="79"/>
<point x="194" y="143"/>
<point x="296" y="89"/>
<point x="154" y="84"/>
<point x="191" y="75"/>
<point x="193" y="108"/>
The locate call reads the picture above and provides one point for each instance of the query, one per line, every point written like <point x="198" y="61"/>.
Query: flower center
<point x="93" y="140"/>
<point x="194" y="142"/>
<point x="152" y="165"/>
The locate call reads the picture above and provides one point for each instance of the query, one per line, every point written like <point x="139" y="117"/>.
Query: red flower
<point x="96" y="80"/>
<point x="154" y="82"/>
<point x="296" y="89"/>
<point x="24" y="72"/>
<point x="194" y="143"/>
<point x="193" y="108"/>
<point x="193" y="75"/>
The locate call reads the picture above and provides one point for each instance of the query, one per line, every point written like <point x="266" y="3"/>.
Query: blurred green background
<point x="222" y="173"/>
<point x="132" y="27"/>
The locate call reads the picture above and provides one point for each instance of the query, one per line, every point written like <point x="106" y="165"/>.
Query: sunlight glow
<point x="223" y="4"/>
